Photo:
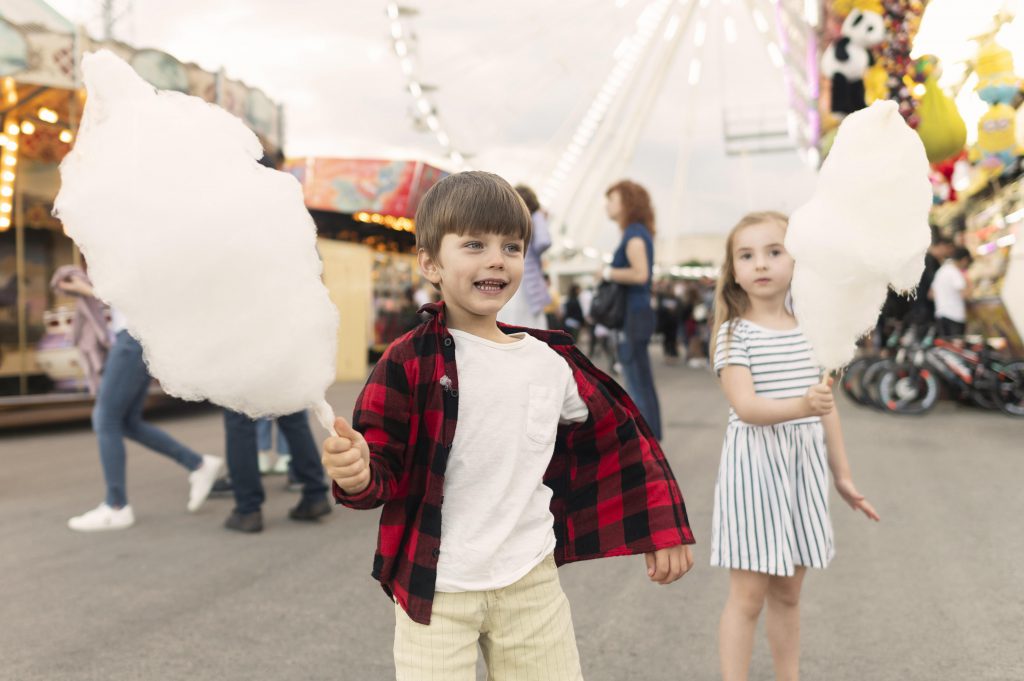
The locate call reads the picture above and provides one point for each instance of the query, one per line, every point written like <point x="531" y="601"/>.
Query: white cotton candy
<point x="865" y="229"/>
<point x="210" y="256"/>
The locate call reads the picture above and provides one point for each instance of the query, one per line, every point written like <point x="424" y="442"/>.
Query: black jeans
<point x="950" y="329"/>
<point x="243" y="464"/>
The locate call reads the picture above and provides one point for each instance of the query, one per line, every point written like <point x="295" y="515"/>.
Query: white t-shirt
<point x="947" y="288"/>
<point x="496" y="522"/>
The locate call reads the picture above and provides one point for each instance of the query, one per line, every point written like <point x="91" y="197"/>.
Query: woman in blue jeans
<point x="629" y="205"/>
<point x="116" y="415"/>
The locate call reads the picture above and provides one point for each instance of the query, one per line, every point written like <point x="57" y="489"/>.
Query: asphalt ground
<point x="935" y="591"/>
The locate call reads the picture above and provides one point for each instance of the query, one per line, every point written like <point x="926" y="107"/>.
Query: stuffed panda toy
<point x="847" y="59"/>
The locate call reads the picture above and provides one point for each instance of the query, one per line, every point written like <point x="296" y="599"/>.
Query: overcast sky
<point x="513" y="80"/>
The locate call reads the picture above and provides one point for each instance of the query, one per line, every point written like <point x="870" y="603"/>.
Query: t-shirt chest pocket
<point x="542" y="412"/>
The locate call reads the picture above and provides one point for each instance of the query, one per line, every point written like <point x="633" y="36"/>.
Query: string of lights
<point x="404" y="49"/>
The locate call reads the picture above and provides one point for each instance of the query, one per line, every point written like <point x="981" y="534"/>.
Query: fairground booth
<point x="41" y="100"/>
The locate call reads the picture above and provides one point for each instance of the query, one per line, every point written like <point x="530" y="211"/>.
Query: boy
<point x="550" y="463"/>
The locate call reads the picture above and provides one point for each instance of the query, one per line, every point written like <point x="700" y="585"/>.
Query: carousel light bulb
<point x="5" y="207"/>
<point x="28" y="127"/>
<point x="11" y="145"/>
<point x="13" y="129"/>
<point x="66" y="136"/>
<point x="6" y="191"/>
<point x="47" y="115"/>
<point x="10" y="160"/>
<point x="7" y="176"/>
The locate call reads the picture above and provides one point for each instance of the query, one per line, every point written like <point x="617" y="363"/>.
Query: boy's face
<point x="477" y="273"/>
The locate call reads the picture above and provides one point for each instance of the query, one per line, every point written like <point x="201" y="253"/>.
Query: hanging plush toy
<point x="997" y="147"/>
<point x="940" y="125"/>
<point x="846" y="60"/>
<point x="997" y="83"/>
<point x="948" y="175"/>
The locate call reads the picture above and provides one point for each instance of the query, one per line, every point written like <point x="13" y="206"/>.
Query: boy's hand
<point x="665" y="566"/>
<point x="819" y="399"/>
<point x="848" y="491"/>
<point x="346" y="457"/>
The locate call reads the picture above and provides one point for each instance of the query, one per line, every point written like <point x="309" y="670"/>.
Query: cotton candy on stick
<point x="864" y="230"/>
<point x="210" y="256"/>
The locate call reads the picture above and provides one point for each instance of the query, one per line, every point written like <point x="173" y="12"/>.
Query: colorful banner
<point x="353" y="185"/>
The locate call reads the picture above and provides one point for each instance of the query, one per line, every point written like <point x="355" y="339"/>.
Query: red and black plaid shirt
<point x="614" y="493"/>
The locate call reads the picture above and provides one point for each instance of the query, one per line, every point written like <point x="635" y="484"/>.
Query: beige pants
<point x="525" y="632"/>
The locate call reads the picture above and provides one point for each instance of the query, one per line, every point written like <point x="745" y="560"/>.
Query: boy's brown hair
<point x="471" y="201"/>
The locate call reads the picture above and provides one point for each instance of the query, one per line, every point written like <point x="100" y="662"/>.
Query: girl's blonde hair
<point x="731" y="300"/>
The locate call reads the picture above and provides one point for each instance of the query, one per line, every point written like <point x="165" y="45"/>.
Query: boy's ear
<point x="428" y="267"/>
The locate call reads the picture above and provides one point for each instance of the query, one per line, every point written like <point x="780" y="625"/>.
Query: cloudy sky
<point x="513" y="80"/>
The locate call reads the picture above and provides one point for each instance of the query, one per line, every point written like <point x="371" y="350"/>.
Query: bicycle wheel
<point x="869" y="383"/>
<point x="1009" y="393"/>
<point x="907" y="389"/>
<point x="850" y="381"/>
<point x="984" y="391"/>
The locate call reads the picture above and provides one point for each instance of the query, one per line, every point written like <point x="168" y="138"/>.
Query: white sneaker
<point x="201" y="481"/>
<point x="281" y="465"/>
<point x="103" y="517"/>
<point x="267" y="461"/>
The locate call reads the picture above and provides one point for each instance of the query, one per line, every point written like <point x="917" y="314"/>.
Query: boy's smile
<point x="477" y="273"/>
<point x="491" y="286"/>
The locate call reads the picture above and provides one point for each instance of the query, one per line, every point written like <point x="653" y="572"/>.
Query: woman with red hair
<point x="629" y="205"/>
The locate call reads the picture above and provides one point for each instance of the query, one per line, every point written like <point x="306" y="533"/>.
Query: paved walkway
<point x="936" y="591"/>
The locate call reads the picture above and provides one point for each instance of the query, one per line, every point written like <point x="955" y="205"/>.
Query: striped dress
<point x="771" y="498"/>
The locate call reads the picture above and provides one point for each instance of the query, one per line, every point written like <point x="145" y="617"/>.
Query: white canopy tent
<point x="507" y="86"/>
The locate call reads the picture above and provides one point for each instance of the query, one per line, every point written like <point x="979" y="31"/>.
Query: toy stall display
<point x="902" y="20"/>
<point x="991" y="235"/>
<point x="868" y="59"/>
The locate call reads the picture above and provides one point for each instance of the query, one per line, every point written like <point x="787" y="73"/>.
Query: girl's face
<point x="614" y="206"/>
<point x="761" y="264"/>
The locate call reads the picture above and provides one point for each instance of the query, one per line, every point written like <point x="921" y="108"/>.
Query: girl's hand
<point x="848" y="491"/>
<point x="819" y="399"/>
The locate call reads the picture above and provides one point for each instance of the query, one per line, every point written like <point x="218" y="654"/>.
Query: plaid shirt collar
<point x="408" y="413"/>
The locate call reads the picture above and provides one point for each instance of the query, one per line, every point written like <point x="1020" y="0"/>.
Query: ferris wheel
<point x="631" y="55"/>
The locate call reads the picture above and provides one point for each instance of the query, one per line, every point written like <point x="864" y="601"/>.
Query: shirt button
<point x="448" y="341"/>
<point x="436" y="553"/>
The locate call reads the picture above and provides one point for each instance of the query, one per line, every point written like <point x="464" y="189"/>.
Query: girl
<point x="771" y="500"/>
